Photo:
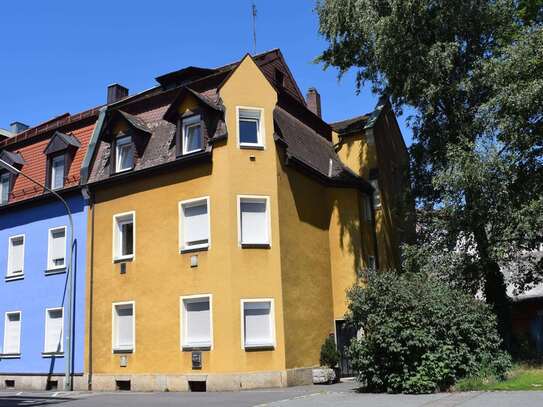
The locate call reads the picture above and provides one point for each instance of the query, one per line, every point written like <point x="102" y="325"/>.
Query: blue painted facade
<point x="37" y="291"/>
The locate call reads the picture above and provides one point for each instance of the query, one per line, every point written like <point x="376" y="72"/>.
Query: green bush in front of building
<point x="420" y="336"/>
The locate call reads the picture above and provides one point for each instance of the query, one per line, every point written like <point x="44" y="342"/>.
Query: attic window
<point x="124" y="154"/>
<point x="250" y="129"/>
<point x="5" y="183"/>
<point x="192" y="135"/>
<point x="58" y="169"/>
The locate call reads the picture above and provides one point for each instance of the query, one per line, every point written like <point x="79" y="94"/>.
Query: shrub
<point x="419" y="335"/>
<point x="329" y="353"/>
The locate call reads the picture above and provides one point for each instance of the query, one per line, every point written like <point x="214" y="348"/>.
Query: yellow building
<point x="224" y="232"/>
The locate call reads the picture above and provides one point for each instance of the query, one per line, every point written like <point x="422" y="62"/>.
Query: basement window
<point x="197" y="385"/>
<point x="10" y="384"/>
<point x="123" y="385"/>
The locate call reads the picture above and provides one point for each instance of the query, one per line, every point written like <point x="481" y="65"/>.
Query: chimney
<point x="116" y="92"/>
<point x="18" y="127"/>
<point x="313" y="99"/>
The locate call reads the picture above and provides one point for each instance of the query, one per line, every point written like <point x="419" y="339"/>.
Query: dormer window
<point x="124" y="154"/>
<point x="58" y="168"/>
<point x="192" y="135"/>
<point x="5" y="180"/>
<point x="60" y="153"/>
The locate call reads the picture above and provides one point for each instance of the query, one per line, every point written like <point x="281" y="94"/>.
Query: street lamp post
<point x="70" y="286"/>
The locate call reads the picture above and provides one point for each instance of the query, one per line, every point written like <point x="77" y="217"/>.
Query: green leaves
<point x="420" y="335"/>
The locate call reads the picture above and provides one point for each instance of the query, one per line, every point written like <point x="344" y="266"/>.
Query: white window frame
<point x="273" y="343"/>
<point x="117" y="242"/>
<point x="118" y="147"/>
<point x="9" y="273"/>
<point x="53" y="172"/>
<point x="61" y="352"/>
<point x="189" y="202"/>
<point x="377" y="199"/>
<point x="183" y="343"/>
<point x="268" y="219"/>
<point x="50" y="265"/>
<point x="191" y="121"/>
<point x="114" y="347"/>
<point x="17" y="354"/>
<point x="3" y="177"/>
<point x="261" y="135"/>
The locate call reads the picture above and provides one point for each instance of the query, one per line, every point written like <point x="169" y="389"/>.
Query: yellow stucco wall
<point x="304" y="216"/>
<point x="158" y="276"/>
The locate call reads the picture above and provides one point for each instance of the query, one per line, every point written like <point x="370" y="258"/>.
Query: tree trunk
<point x="495" y="292"/>
<point x="495" y="289"/>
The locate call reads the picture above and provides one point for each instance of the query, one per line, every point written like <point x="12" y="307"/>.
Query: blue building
<point x="34" y="253"/>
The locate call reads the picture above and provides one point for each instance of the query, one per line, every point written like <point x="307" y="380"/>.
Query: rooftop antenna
<point x="254" y="27"/>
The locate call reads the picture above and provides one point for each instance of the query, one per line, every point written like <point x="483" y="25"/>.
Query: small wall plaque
<point x="196" y="360"/>
<point x="123" y="361"/>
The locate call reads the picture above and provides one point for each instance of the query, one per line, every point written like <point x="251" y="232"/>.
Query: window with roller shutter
<point x="254" y="221"/>
<point x="194" y="224"/>
<point x="12" y="333"/>
<point x="196" y="327"/>
<point x="56" y="257"/>
<point x="54" y="323"/>
<point x="16" y="252"/>
<point x="123" y="327"/>
<point x="258" y="323"/>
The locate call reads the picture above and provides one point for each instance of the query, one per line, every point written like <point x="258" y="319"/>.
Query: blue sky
<point x="59" y="56"/>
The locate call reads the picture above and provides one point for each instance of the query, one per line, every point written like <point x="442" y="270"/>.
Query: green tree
<point x="473" y="72"/>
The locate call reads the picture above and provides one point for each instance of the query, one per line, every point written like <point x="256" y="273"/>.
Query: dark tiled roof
<point x="12" y="158"/>
<point x="135" y="122"/>
<point x="353" y="125"/>
<point x="312" y="150"/>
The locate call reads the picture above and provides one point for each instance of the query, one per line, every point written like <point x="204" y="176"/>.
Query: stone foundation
<point x="213" y="381"/>
<point x="39" y="382"/>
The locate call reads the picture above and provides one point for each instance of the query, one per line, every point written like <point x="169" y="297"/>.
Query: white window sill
<point x="121" y="170"/>
<point x="123" y="350"/>
<point x="195" y="248"/>
<point x="57" y="270"/>
<point x="187" y="347"/>
<point x="251" y="146"/>
<point x="123" y="259"/>
<point x="10" y="355"/>
<point x="15" y="277"/>
<point x="246" y="245"/>
<point x="259" y="346"/>
<point x="191" y="152"/>
<point x="52" y="354"/>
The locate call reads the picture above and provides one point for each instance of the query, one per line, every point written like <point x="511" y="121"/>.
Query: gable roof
<point x="60" y="141"/>
<point x="12" y="158"/>
<point x="134" y="121"/>
<point x="349" y="126"/>
<point x="312" y="151"/>
<point x="171" y="113"/>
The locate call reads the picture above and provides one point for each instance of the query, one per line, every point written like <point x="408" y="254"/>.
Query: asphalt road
<point x="338" y="395"/>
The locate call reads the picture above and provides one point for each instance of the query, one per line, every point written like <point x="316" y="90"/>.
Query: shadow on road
<point x="16" y="401"/>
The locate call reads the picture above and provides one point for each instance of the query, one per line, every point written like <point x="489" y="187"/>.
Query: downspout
<point x="91" y="291"/>
<point x="85" y="172"/>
